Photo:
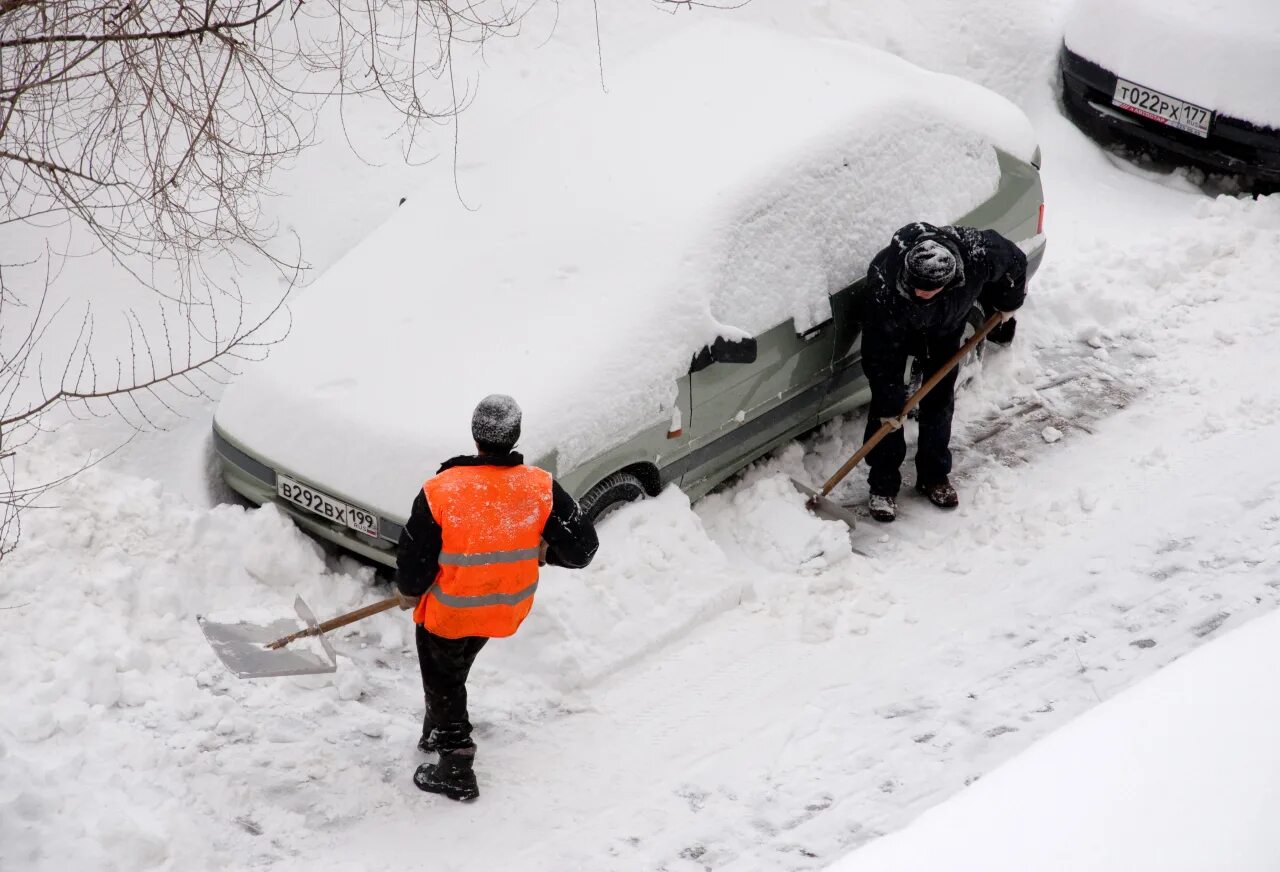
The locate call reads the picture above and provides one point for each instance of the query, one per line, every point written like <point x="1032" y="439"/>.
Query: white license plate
<point x="326" y="506"/>
<point x="1162" y="108"/>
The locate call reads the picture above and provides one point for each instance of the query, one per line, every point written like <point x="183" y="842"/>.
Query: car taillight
<point x="1040" y="221"/>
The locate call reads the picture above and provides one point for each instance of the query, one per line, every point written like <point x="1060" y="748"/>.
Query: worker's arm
<point x="1006" y="285"/>
<point x="417" y="560"/>
<point x="570" y="537"/>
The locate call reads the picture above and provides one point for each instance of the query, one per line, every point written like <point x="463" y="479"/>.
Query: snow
<point x="1176" y="774"/>
<point x="729" y="685"/>
<point x="580" y="272"/>
<point x="1219" y="54"/>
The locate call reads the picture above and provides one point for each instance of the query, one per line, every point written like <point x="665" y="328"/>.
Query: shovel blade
<point x="825" y="508"/>
<point x="241" y="647"/>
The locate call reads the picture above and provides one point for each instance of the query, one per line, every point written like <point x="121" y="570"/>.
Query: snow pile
<point x="1220" y="54"/>
<point x="1005" y="45"/>
<point x="116" y="713"/>
<point x="769" y="526"/>
<point x="662" y="577"/>
<point x="1177" y="774"/>
<point x="1109" y="295"/>
<point x="580" y="272"/>
<point x="122" y="732"/>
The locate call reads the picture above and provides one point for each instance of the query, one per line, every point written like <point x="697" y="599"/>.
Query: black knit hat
<point x="930" y="265"/>
<point x="495" y="424"/>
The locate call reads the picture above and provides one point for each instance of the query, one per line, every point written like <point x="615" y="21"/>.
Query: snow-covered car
<point x="664" y="274"/>
<point x="1184" y="78"/>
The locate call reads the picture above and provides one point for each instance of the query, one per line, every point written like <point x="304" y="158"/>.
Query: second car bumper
<point x="1233" y="146"/>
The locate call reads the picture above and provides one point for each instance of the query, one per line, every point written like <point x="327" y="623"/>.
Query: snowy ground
<point x="1136" y="784"/>
<point x="729" y="686"/>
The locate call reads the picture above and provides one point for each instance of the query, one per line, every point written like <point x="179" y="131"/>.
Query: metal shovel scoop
<point x="258" y="651"/>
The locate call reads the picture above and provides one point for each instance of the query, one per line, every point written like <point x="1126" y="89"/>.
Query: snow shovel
<point x="818" y="503"/>
<point x="257" y="651"/>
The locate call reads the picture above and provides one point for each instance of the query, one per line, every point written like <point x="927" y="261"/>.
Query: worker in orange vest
<point x="468" y="567"/>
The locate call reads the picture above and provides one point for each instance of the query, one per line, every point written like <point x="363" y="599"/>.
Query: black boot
<point x="884" y="509"/>
<point x="453" y="776"/>
<point x="940" y="493"/>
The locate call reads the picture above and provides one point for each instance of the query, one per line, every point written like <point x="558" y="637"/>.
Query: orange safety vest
<point x="491" y="520"/>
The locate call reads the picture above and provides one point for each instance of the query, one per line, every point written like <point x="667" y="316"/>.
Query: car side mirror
<point x="725" y="351"/>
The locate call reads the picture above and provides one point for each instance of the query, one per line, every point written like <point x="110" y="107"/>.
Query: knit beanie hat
<point x="495" y="424"/>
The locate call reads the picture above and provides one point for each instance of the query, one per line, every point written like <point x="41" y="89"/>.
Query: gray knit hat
<point x="495" y="424"/>
<point x="930" y="264"/>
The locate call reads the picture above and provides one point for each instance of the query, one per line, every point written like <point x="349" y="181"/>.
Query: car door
<point x="741" y="410"/>
<point x="847" y="388"/>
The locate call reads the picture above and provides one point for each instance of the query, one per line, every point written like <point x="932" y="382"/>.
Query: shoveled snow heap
<point x="727" y="181"/>
<point x="1223" y="55"/>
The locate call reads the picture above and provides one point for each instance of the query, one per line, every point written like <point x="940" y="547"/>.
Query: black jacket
<point x="570" y="537"/>
<point x="990" y="270"/>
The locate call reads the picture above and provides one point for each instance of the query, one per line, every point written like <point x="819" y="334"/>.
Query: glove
<point x="1003" y="332"/>
<point x="1006" y="317"/>
<point x="407" y="603"/>
<point x="896" y="423"/>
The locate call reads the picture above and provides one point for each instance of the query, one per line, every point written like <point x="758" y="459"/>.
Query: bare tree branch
<point x="205" y="28"/>
<point x="146" y="131"/>
<point x="151" y="128"/>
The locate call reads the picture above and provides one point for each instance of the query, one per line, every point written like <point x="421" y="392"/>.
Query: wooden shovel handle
<point x="885" y="429"/>
<point x="334" y="623"/>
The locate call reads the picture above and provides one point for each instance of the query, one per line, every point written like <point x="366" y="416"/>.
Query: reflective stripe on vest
<point x="487" y="558"/>
<point x="491" y="521"/>
<point x="488" y="599"/>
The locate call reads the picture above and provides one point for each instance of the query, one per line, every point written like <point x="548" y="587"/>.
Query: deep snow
<point x="728" y="687"/>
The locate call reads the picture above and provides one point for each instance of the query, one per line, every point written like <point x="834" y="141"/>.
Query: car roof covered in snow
<point x="725" y="181"/>
<point x="1223" y="55"/>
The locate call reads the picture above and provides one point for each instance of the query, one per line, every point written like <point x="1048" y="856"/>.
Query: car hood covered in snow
<point x="725" y="181"/>
<point x="1223" y="55"/>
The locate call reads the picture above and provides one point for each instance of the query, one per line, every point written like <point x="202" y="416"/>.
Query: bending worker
<point x="920" y="290"/>
<point x="468" y="567"/>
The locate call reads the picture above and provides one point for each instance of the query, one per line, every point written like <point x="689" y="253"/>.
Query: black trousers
<point x="445" y="664"/>
<point x="933" y="449"/>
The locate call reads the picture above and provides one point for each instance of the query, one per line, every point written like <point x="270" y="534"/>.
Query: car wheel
<point x="611" y="494"/>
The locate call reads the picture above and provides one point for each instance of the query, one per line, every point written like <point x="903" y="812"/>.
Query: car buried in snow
<point x="665" y="275"/>
<point x="1181" y="79"/>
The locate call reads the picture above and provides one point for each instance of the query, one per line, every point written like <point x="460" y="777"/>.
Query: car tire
<point x="611" y="494"/>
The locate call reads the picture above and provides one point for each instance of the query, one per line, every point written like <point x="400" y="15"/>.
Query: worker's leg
<point x="933" y="452"/>
<point x="446" y="663"/>
<point x="884" y="462"/>
<point x="884" y="362"/>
